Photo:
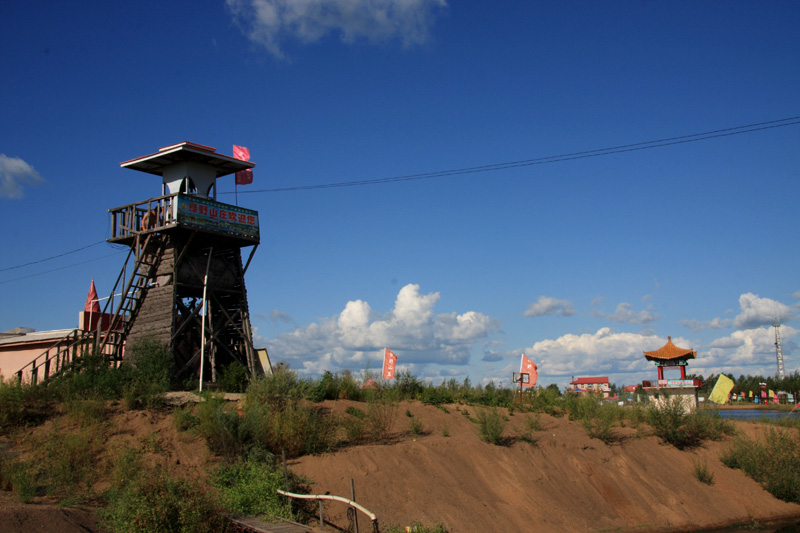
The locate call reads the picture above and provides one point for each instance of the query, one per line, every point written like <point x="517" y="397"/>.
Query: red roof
<point x="669" y="351"/>
<point x="590" y="381"/>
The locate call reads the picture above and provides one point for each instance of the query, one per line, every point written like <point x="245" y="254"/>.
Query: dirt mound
<point x="564" y="482"/>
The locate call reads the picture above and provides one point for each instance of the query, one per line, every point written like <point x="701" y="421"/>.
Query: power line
<point x="670" y="141"/>
<point x="59" y="268"/>
<point x="695" y="137"/>
<point x="51" y="257"/>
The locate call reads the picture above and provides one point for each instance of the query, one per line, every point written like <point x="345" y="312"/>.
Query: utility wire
<point x="695" y="137"/>
<point x="59" y="268"/>
<point x="51" y="257"/>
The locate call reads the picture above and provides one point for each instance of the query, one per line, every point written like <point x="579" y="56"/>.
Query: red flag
<point x="240" y="152"/>
<point x="389" y="362"/>
<point x="92" y="303"/>
<point x="243" y="177"/>
<point x="529" y="367"/>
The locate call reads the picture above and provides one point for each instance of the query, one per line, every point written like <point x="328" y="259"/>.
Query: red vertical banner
<point x="389" y="364"/>
<point x="529" y="367"/>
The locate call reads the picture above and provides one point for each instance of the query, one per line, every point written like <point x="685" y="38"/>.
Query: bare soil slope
<point x="566" y="482"/>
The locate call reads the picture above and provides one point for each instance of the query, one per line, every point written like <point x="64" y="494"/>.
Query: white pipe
<point x="203" y="322"/>
<point x="358" y="506"/>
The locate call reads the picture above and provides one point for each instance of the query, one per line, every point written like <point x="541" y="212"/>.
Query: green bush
<point x="249" y="488"/>
<point x="156" y="500"/>
<point x="233" y="378"/>
<point x="221" y="426"/>
<point x="773" y="461"/>
<point x="702" y="473"/>
<point x="416" y="426"/>
<point x="147" y="369"/>
<point x="674" y="425"/>
<point x="490" y="425"/>
<point x="599" y="423"/>
<point x="277" y="389"/>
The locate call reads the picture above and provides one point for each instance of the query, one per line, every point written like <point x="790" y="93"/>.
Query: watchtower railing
<point x="151" y="215"/>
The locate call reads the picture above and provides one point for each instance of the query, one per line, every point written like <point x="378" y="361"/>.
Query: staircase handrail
<point x="76" y="341"/>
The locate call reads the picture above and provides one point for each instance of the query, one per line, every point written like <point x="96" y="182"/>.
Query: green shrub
<point x="21" y="404"/>
<point x="20" y="477"/>
<point x="233" y="378"/>
<point x="702" y="473"/>
<point x="773" y="461"/>
<point x="249" y="488"/>
<point x="68" y="464"/>
<point x="416" y="426"/>
<point x="185" y="419"/>
<point x="599" y="423"/>
<point x="674" y="425"/>
<point x="156" y="500"/>
<point x="490" y="425"/>
<point x="220" y="425"/>
<point x="276" y="389"/>
<point x="147" y="369"/>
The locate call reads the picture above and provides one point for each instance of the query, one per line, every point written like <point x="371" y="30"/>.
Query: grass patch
<point x="157" y="500"/>
<point x="674" y="425"/>
<point x="416" y="426"/>
<point x="773" y="461"/>
<point x="249" y="488"/>
<point x="702" y="473"/>
<point x="490" y="425"/>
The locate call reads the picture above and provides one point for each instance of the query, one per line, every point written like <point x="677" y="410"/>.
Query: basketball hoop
<point x="521" y="377"/>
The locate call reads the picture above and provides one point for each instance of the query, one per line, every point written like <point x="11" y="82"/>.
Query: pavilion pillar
<point x="660" y="372"/>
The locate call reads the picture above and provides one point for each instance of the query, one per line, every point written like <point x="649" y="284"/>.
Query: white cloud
<point x="753" y="348"/>
<point x="280" y="316"/>
<point x="14" y="173"/>
<point x="623" y="314"/>
<point x="758" y="311"/>
<point x="412" y="330"/>
<point x="701" y="325"/>
<point x="547" y="305"/>
<point x="273" y="23"/>
<point x="601" y="353"/>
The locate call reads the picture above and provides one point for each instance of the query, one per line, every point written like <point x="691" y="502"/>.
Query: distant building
<point x="20" y="346"/>
<point x="596" y="385"/>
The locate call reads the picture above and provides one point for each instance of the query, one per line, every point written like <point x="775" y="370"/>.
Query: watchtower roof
<point x="187" y="151"/>
<point x="670" y="352"/>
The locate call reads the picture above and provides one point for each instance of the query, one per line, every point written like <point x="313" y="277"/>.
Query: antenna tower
<point x="778" y="349"/>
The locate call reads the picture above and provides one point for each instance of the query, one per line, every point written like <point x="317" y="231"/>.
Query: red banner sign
<point x="389" y="364"/>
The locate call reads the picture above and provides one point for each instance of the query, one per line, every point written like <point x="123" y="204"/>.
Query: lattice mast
<point x="778" y="349"/>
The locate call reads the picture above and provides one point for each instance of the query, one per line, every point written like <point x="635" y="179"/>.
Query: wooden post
<point x="353" y="497"/>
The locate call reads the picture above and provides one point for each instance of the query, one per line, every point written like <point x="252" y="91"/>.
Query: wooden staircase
<point x="132" y="284"/>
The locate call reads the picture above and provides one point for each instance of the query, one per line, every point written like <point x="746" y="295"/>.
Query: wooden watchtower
<point x="185" y="251"/>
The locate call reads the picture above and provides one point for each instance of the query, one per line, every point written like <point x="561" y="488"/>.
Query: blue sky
<point x="581" y="264"/>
